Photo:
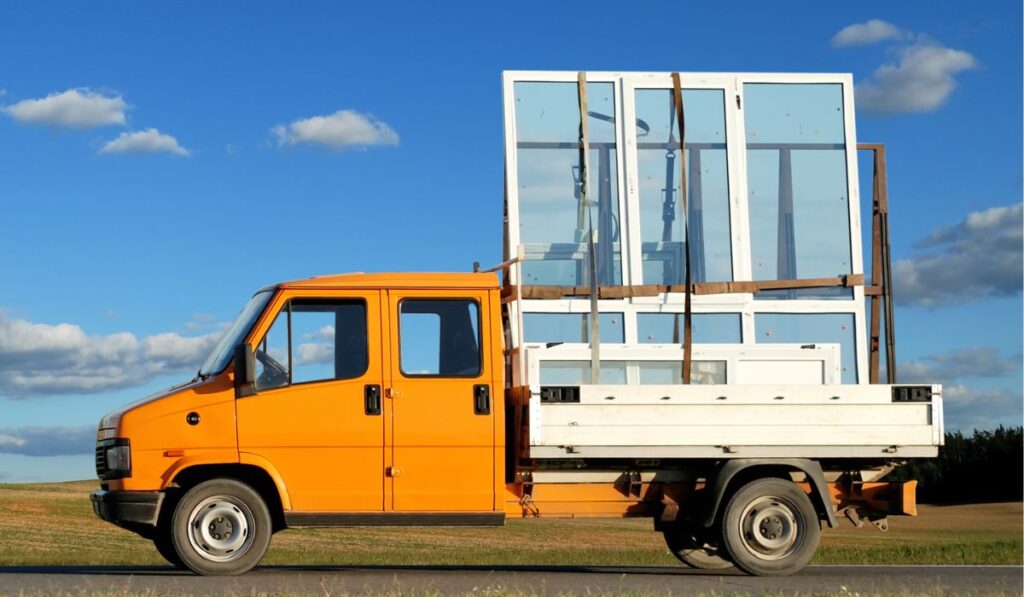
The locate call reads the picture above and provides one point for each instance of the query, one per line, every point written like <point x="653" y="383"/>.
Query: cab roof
<point x="397" y="280"/>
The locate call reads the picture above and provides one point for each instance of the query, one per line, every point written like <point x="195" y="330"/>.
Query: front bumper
<point x="128" y="508"/>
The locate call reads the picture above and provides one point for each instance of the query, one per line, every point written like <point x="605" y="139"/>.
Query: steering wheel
<point x="274" y="373"/>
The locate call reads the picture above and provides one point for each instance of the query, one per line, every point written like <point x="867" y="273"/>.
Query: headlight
<point x="113" y="459"/>
<point x="119" y="459"/>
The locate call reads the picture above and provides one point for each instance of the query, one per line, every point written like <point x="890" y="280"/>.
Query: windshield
<point x="222" y="353"/>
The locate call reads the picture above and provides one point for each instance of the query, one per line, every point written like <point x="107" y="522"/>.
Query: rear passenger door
<point x="442" y="436"/>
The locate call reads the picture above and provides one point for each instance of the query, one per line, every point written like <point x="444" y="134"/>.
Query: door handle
<point x="482" y="399"/>
<point x="371" y="399"/>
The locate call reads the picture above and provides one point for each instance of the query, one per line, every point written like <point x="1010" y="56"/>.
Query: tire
<point x="165" y="546"/>
<point x="770" y="528"/>
<point x="697" y="547"/>
<point x="221" y="527"/>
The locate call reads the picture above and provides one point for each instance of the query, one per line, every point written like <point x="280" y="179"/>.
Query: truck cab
<point x="348" y="399"/>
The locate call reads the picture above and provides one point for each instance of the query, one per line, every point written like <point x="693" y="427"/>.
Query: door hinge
<point x="393" y="471"/>
<point x="739" y="105"/>
<point x="392" y="393"/>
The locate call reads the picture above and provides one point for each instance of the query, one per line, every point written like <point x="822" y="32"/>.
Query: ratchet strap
<point x="584" y="202"/>
<point x="677" y="102"/>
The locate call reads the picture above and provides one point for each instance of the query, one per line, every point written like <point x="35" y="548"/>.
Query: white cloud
<point x="310" y="353"/>
<point x="9" y="441"/>
<point x="324" y="333"/>
<point x="147" y="141"/>
<point x="978" y="257"/>
<point x="921" y="81"/>
<point x="177" y="352"/>
<point x="965" y="405"/>
<point x="343" y="129"/>
<point x="48" y="441"/>
<point x="41" y="359"/>
<point x="970" y="362"/>
<point x="199" y="321"/>
<point x="967" y="408"/>
<point x="863" y="34"/>
<point x="75" y="108"/>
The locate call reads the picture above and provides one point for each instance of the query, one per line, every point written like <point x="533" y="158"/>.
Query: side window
<point x="439" y="337"/>
<point x="314" y="340"/>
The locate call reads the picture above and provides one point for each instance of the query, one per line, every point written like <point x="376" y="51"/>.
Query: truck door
<point x="442" y="412"/>
<point x="316" y="415"/>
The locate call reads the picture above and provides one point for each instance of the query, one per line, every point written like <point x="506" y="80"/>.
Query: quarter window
<point x="439" y="337"/>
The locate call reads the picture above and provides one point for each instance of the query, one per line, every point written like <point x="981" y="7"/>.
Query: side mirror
<point x="245" y="370"/>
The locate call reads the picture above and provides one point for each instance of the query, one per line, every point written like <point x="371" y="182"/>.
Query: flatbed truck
<point x="422" y="399"/>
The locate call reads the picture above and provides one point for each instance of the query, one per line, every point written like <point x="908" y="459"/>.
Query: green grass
<point x="53" y="524"/>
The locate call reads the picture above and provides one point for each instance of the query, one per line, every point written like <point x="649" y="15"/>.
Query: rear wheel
<point x="697" y="547"/>
<point x="221" y="527"/>
<point x="770" y="528"/>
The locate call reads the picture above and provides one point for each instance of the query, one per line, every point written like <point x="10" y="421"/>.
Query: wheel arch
<point x="733" y="474"/>
<point x="257" y="477"/>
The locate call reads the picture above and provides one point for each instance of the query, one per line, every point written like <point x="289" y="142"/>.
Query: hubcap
<point x="220" y="528"/>
<point x="769" y="528"/>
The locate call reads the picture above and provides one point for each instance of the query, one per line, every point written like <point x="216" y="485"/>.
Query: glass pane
<point x="571" y="327"/>
<point x="661" y="208"/>
<point x="328" y="340"/>
<point x="421" y="343"/>
<point x="351" y="354"/>
<point x="667" y="372"/>
<point x="553" y="223"/>
<point x="708" y="328"/>
<point x="794" y="113"/>
<point x="439" y="337"/>
<point x="222" y="353"/>
<point x="808" y="328"/>
<point x="576" y="373"/>
<point x="313" y="337"/>
<point x="797" y="181"/>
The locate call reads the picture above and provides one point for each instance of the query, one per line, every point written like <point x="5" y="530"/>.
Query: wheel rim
<point x="769" y="528"/>
<point x="220" y="528"/>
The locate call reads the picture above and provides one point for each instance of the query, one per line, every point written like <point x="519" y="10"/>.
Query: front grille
<point x="101" y="459"/>
<point x="102" y="468"/>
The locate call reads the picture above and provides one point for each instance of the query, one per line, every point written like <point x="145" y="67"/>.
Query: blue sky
<point x="143" y="242"/>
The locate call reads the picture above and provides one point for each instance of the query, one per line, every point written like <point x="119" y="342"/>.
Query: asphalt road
<point x="83" y="580"/>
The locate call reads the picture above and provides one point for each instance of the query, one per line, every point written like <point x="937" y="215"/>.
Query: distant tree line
<point x="986" y="466"/>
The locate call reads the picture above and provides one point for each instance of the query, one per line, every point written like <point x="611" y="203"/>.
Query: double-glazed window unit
<point x="313" y="340"/>
<point x="771" y="194"/>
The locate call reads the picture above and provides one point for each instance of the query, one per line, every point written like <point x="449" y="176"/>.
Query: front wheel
<point x="697" y="547"/>
<point x="770" y="528"/>
<point x="221" y="527"/>
<point x="165" y="546"/>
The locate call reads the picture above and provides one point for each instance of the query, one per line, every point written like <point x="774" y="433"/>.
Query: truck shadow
<point x="330" y="568"/>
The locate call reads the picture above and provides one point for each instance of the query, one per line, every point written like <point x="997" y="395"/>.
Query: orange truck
<point x="467" y="399"/>
<point x="412" y="424"/>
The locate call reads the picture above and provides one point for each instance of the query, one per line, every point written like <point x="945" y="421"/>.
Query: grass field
<point x="53" y="524"/>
